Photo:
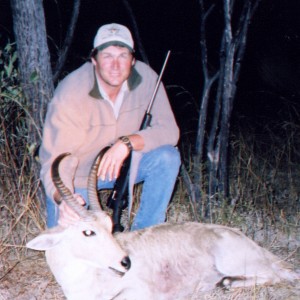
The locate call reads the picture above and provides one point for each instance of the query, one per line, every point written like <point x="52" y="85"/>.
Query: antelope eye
<point x="89" y="232"/>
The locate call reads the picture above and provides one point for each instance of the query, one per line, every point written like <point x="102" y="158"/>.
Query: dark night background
<point x="269" y="82"/>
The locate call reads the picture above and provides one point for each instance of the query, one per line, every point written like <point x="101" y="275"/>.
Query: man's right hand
<point x="67" y="216"/>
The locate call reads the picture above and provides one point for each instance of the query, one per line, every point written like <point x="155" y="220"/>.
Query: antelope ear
<point x="108" y="223"/>
<point x="47" y="239"/>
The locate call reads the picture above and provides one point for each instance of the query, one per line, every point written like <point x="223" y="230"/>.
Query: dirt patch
<point x="30" y="279"/>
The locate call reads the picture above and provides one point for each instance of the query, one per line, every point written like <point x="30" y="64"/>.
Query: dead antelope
<point x="161" y="262"/>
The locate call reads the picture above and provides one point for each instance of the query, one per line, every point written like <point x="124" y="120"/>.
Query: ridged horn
<point x="92" y="182"/>
<point x="64" y="191"/>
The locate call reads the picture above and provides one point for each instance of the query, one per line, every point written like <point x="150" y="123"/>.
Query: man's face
<point x="113" y="65"/>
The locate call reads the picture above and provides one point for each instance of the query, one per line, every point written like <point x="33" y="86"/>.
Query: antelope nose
<point x="126" y="263"/>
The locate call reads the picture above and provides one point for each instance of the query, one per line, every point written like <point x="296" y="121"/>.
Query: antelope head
<point x="89" y="240"/>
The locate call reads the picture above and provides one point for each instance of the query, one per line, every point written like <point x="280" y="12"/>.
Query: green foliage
<point x="34" y="77"/>
<point x="18" y="208"/>
<point x="13" y="125"/>
<point x="12" y="106"/>
<point x="9" y="73"/>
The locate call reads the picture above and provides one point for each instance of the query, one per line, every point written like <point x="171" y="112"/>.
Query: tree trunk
<point x="35" y="69"/>
<point x="224" y="77"/>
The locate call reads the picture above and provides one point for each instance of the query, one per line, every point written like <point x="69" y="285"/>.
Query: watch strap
<point x="126" y="141"/>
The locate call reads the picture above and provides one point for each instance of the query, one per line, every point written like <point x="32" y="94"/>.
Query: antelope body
<point x="168" y="261"/>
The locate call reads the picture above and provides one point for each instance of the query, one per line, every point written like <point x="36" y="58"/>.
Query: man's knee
<point x="170" y="156"/>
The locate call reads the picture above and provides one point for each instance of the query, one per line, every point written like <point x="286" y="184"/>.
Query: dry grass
<point x="25" y="275"/>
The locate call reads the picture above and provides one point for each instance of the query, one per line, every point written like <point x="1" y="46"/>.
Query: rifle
<point x="118" y="199"/>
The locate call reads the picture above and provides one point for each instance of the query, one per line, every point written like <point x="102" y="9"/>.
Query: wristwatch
<point x="127" y="142"/>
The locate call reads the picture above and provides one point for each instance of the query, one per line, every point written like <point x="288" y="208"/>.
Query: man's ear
<point x="93" y="61"/>
<point x="133" y="61"/>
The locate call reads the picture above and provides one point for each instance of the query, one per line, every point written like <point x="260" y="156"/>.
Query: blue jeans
<point x="158" y="170"/>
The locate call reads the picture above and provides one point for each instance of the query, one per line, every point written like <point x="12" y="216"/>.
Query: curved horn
<point x="92" y="182"/>
<point x="63" y="190"/>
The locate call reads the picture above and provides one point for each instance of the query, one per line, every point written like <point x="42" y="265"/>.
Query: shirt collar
<point x="133" y="81"/>
<point x="104" y="95"/>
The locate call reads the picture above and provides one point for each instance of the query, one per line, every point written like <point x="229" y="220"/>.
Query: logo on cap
<point x="114" y="30"/>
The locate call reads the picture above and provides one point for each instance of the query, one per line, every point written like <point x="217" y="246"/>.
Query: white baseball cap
<point x="113" y="34"/>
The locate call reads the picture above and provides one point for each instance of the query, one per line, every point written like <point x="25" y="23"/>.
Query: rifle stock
<point x="118" y="199"/>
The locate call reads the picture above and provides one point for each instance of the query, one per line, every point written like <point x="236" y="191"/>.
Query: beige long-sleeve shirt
<point x="79" y="121"/>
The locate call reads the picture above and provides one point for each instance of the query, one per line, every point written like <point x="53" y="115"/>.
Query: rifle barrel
<point x="158" y="82"/>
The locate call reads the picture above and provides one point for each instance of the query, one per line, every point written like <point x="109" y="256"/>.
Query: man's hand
<point x="67" y="216"/>
<point x="112" y="161"/>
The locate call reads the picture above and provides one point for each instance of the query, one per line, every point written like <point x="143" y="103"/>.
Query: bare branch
<point x="190" y="190"/>
<point x="204" y="16"/>
<point x="136" y="32"/>
<point x="67" y="43"/>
